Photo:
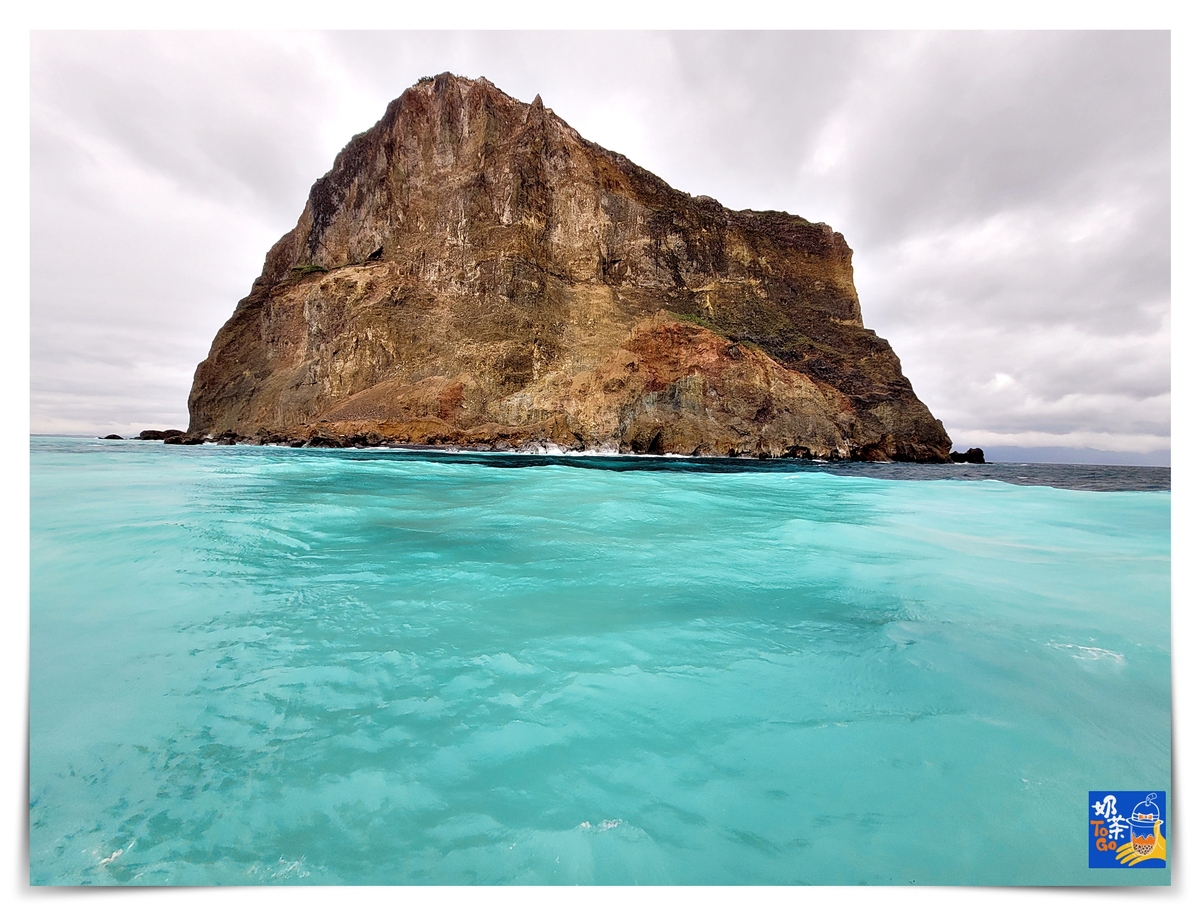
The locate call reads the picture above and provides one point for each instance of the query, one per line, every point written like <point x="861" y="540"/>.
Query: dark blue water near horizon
<point x="273" y="665"/>
<point x="1092" y="477"/>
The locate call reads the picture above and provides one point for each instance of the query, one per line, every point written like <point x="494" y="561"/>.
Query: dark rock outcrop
<point x="971" y="456"/>
<point x="474" y="273"/>
<point x="157" y="435"/>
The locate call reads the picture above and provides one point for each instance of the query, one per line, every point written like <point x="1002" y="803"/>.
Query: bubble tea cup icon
<point x="1141" y="825"/>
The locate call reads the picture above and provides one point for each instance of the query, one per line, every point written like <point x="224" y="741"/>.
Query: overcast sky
<point x="1007" y="195"/>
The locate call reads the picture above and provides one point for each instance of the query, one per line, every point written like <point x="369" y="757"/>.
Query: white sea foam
<point x="116" y="854"/>
<point x="1088" y="652"/>
<point x="290" y="869"/>
<point x="603" y="826"/>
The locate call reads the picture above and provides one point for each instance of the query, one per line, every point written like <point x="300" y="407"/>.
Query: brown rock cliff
<point x="472" y="272"/>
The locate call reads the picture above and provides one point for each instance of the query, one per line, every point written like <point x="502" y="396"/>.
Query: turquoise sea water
<point x="266" y="665"/>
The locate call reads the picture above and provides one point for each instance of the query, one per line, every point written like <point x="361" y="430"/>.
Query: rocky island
<point x="473" y="273"/>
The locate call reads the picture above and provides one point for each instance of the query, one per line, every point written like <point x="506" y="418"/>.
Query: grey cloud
<point x="958" y="124"/>
<point x="224" y="116"/>
<point x="1033" y="268"/>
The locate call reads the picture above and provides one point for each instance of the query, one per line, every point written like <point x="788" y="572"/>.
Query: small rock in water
<point x="119" y="438"/>
<point x="157" y="435"/>
<point x="971" y="456"/>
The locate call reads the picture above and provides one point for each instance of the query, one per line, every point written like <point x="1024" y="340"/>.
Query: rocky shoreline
<point x="325" y="438"/>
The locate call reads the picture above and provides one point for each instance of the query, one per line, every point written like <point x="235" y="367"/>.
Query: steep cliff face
<point x="472" y="272"/>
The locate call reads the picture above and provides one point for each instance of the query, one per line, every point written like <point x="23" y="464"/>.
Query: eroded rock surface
<point x="474" y="273"/>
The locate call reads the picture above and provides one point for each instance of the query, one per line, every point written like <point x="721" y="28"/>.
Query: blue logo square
<point x="1127" y="829"/>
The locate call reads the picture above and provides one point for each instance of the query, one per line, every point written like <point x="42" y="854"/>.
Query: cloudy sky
<point x="1007" y="195"/>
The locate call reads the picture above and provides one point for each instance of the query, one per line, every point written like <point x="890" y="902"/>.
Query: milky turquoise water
<point x="266" y="665"/>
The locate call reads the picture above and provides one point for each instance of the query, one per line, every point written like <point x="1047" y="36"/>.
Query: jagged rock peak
<point x="472" y="271"/>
